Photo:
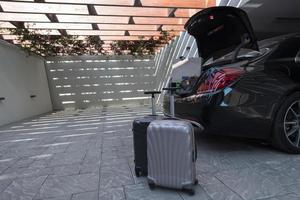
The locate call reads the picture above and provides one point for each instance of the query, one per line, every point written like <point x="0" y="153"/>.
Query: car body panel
<point x="248" y="107"/>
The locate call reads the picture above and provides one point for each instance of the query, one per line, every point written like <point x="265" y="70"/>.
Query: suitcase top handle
<point x="152" y="99"/>
<point x="152" y="93"/>
<point x="171" y="89"/>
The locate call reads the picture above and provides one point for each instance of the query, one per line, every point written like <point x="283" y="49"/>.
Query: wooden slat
<point x="114" y="38"/>
<point x="148" y="3"/>
<point x="41" y="7"/>
<point x="112" y="20"/>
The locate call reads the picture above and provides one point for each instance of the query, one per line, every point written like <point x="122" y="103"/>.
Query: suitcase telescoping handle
<point x="153" y="100"/>
<point x="172" y="101"/>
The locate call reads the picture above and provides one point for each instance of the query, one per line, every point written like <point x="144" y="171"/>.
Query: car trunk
<point x="220" y="30"/>
<point x="224" y="36"/>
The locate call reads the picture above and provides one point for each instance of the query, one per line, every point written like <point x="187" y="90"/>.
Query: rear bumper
<point x="194" y="108"/>
<point x="215" y="115"/>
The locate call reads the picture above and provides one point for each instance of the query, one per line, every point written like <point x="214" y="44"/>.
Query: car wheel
<point x="286" y="129"/>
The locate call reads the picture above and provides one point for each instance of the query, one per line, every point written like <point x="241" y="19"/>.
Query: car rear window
<point x="243" y="55"/>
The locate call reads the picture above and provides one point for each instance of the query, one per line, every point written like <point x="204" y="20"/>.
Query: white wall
<point x="21" y="76"/>
<point x="86" y="81"/>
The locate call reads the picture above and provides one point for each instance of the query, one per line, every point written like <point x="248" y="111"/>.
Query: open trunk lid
<point x="219" y="30"/>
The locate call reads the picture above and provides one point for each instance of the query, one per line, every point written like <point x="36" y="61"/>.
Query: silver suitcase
<point x="171" y="155"/>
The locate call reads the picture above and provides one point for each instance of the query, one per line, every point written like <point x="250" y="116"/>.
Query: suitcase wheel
<point x="196" y="182"/>
<point x="191" y="192"/>
<point x="151" y="186"/>
<point x="138" y="172"/>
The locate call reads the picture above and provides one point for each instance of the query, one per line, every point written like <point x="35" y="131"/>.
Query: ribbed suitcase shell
<point x="171" y="154"/>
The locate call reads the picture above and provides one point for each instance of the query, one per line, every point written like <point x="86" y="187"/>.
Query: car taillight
<point x="218" y="78"/>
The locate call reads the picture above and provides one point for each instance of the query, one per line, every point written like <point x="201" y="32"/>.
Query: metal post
<point x="153" y="104"/>
<point x="172" y="107"/>
<point x="153" y="100"/>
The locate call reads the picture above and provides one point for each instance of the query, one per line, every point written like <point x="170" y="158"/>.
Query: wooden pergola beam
<point x="160" y="28"/>
<point x="131" y="21"/>
<point x="127" y="33"/>
<point x="92" y="11"/>
<point x="18" y="24"/>
<point x="52" y="18"/>
<point x="137" y="3"/>
<point x="171" y="12"/>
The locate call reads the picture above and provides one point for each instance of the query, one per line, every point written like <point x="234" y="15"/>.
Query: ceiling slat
<point x="16" y="24"/>
<point x="92" y="11"/>
<point x="144" y="3"/>
<point x="111" y="20"/>
<point x="58" y="25"/>
<point x="53" y="18"/>
<point x="41" y="7"/>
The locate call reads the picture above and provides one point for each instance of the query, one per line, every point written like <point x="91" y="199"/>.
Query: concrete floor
<point x="88" y="155"/>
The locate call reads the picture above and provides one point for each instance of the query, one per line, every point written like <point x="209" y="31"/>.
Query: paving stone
<point x="200" y="193"/>
<point x="23" y="162"/>
<point x="50" y="146"/>
<point x="288" y="167"/>
<point x="290" y="196"/>
<point x="92" y="156"/>
<point x="114" y="162"/>
<point x="293" y="188"/>
<point x="5" y="163"/>
<point x="58" y="147"/>
<point x="142" y="192"/>
<point x="65" y="170"/>
<point x="115" y="176"/>
<point x="107" y="156"/>
<point x="30" y="172"/>
<point x="67" y="158"/>
<point x="25" y="188"/>
<point x="112" y="194"/>
<point x="90" y="168"/>
<point x="250" y="184"/>
<point x="41" y="163"/>
<point x="56" y="198"/>
<point x="5" y="183"/>
<point x="86" y="196"/>
<point x="78" y="146"/>
<point x="66" y="185"/>
<point x="215" y="189"/>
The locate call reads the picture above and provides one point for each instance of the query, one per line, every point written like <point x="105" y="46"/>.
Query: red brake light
<point x="216" y="79"/>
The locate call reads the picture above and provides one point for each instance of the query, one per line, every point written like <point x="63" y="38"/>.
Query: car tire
<point x="286" y="128"/>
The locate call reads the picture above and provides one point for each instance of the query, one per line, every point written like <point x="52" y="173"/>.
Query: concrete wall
<point x="20" y="77"/>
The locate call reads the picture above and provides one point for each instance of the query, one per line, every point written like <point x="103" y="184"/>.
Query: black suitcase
<point x="139" y="129"/>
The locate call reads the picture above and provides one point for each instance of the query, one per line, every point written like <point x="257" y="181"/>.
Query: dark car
<point x="247" y="88"/>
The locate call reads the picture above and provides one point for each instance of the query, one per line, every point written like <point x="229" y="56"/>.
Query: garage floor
<point x="88" y="155"/>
